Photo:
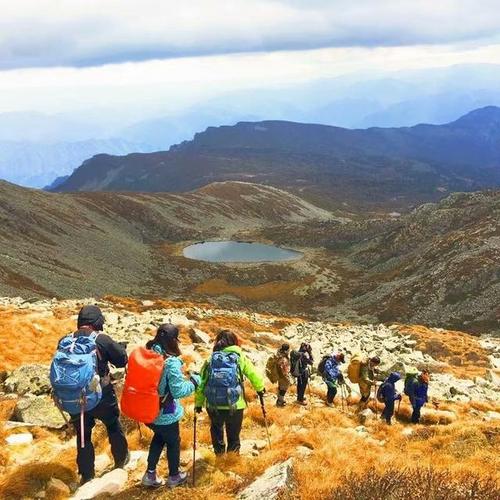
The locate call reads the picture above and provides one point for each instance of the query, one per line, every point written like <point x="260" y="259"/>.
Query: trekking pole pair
<point x="264" y="414"/>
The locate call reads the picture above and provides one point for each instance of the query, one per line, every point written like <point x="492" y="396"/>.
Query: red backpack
<point x="140" y="400"/>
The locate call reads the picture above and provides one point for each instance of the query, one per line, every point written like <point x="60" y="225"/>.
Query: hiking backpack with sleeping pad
<point x="321" y="365"/>
<point x="225" y="382"/>
<point x="73" y="374"/>
<point x="272" y="369"/>
<point x="354" y="369"/>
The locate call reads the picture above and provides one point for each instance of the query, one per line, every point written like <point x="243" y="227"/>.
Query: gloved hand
<point x="261" y="393"/>
<point x="195" y="379"/>
<point x="399" y="397"/>
<point x="341" y="379"/>
<point x="198" y="409"/>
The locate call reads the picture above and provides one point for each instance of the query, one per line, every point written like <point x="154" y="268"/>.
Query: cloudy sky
<point x="58" y="55"/>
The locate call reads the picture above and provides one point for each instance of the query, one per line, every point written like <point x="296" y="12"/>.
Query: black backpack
<point x="321" y="366"/>
<point x="295" y="358"/>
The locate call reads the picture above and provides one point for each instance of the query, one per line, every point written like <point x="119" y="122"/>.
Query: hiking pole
<point x="399" y="404"/>
<point x="195" y="420"/>
<point x="264" y="414"/>
<point x="375" y="398"/>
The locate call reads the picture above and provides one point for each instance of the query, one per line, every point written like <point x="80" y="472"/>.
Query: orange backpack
<point x="140" y="400"/>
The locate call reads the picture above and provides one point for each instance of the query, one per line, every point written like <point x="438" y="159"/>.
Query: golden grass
<point x="462" y="352"/>
<point x="39" y="334"/>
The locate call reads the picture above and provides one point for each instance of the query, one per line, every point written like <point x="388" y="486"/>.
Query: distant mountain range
<point x="37" y="164"/>
<point x="396" y="167"/>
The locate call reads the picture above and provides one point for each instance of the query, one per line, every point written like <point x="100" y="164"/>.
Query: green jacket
<point x="248" y="371"/>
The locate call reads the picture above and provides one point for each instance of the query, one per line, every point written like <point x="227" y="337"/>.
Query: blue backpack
<point x="224" y="384"/>
<point x="73" y="374"/>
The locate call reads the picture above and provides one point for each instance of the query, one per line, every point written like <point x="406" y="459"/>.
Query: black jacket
<point x="109" y="351"/>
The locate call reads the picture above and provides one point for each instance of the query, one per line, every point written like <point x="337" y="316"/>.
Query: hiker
<point x="300" y="361"/>
<point x="329" y="369"/>
<point x="89" y="351"/>
<point x="283" y="372"/>
<point x="367" y="377"/>
<point x="222" y="389"/>
<point x="173" y="386"/>
<point x="388" y="395"/>
<point x="417" y="387"/>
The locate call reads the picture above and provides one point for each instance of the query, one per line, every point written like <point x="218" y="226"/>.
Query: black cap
<point x="375" y="360"/>
<point x="285" y="347"/>
<point x="91" y="316"/>
<point x="168" y="331"/>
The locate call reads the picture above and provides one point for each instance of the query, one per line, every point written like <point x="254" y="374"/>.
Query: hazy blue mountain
<point x="37" y="165"/>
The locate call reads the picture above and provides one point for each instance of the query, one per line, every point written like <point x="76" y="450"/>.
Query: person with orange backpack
<point x="153" y="386"/>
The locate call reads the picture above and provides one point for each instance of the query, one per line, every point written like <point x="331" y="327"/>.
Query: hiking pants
<point x="388" y="411"/>
<point x="365" y="389"/>
<point x="302" y="382"/>
<point x="169" y="436"/>
<point x="415" y="416"/>
<point x="108" y="413"/>
<point x="232" y="422"/>
<point x="331" y="393"/>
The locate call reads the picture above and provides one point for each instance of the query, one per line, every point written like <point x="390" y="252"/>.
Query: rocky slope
<point x="393" y="167"/>
<point x="437" y="266"/>
<point x="460" y="434"/>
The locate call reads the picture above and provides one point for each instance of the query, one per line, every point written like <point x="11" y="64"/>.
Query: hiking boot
<point x="85" y="480"/>
<point x="280" y="403"/>
<point x="121" y="465"/>
<point x="177" y="480"/>
<point x="151" y="480"/>
<point x="302" y="403"/>
<point x="330" y="405"/>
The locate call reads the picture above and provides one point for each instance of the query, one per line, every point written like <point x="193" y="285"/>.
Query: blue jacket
<point x="332" y="371"/>
<point x="418" y="393"/>
<point x="174" y="382"/>
<point x="388" y="388"/>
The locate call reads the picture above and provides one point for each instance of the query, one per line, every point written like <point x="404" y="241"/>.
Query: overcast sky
<point x="58" y="55"/>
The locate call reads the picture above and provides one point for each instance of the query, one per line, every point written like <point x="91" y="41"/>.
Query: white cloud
<point x="38" y="33"/>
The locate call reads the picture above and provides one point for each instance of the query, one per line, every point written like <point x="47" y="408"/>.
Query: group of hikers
<point x="155" y="383"/>
<point x="288" y="364"/>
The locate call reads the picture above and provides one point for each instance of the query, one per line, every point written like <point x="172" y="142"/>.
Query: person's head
<point x="167" y="337"/>
<point x="305" y="347"/>
<point x="425" y="376"/>
<point x="285" y="348"/>
<point x="225" y="338"/>
<point x="91" y="317"/>
<point x="374" y="361"/>
<point x="394" y="377"/>
<point x="339" y="357"/>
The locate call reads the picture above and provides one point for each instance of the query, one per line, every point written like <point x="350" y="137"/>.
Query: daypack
<point x="73" y="374"/>
<point x="224" y="382"/>
<point x="410" y="379"/>
<point x="140" y="399"/>
<point x="380" y="393"/>
<point x="354" y="369"/>
<point x="295" y="358"/>
<point x="272" y="369"/>
<point x="321" y="365"/>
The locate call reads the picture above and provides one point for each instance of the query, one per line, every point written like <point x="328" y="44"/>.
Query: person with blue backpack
<point x="417" y="388"/>
<point x="173" y="386"/>
<point x="221" y="389"/>
<point x="388" y="395"/>
<point x="81" y="385"/>
<point x="329" y="369"/>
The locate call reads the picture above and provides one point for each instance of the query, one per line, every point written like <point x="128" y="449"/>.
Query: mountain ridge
<point x="391" y="167"/>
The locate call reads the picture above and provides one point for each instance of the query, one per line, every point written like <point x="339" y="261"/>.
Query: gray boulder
<point x="275" y="483"/>
<point x="29" y="379"/>
<point x="199" y="336"/>
<point x="40" y="411"/>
